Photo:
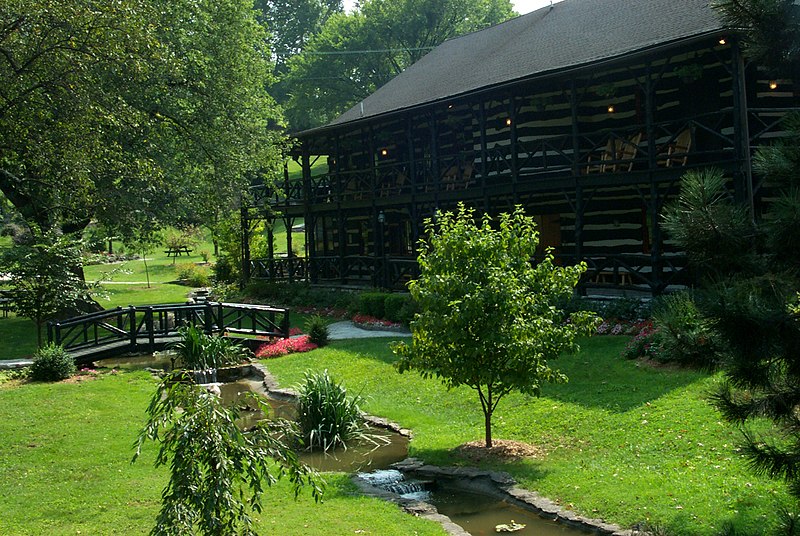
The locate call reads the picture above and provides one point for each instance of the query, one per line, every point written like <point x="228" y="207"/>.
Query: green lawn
<point x="624" y="442"/>
<point x="65" y="459"/>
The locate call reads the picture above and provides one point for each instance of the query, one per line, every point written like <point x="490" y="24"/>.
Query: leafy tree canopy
<point x="354" y="54"/>
<point x="489" y="318"/>
<point x="124" y="111"/>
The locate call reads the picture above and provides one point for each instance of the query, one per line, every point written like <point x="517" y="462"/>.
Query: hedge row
<point x="394" y="307"/>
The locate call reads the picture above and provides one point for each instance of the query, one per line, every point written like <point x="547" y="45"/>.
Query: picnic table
<point x="177" y="251"/>
<point x="5" y="303"/>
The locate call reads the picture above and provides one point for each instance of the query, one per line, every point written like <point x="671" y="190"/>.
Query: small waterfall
<point x="205" y="376"/>
<point x="393" y="481"/>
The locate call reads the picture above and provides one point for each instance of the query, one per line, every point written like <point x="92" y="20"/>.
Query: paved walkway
<point x="347" y="330"/>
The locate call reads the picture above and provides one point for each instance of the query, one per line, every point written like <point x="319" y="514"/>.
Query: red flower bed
<point x="285" y="347"/>
<point x="371" y="321"/>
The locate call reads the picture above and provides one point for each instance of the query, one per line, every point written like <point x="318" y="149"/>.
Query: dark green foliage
<point x="226" y="270"/>
<point x="300" y="294"/>
<point x="51" y="363"/>
<point x="218" y="472"/>
<point x="684" y="335"/>
<point x="327" y="417"/>
<point x="372" y="304"/>
<point x="317" y="330"/>
<point x="399" y="308"/>
<point x="199" y="351"/>
<point x="748" y="264"/>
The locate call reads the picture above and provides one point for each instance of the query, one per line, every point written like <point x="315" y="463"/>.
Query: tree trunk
<point x="487" y="415"/>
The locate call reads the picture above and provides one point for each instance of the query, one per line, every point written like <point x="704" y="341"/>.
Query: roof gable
<point x="569" y="34"/>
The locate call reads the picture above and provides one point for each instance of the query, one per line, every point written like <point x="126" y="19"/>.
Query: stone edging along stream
<point x="496" y="484"/>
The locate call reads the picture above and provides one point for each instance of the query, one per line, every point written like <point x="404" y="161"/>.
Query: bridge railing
<point x="137" y="328"/>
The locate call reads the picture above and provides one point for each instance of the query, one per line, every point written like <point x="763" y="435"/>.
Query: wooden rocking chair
<point x="676" y="153"/>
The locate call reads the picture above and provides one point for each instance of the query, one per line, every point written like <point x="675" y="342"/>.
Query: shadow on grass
<point x="17" y="337"/>
<point x="524" y="468"/>
<point x="599" y="377"/>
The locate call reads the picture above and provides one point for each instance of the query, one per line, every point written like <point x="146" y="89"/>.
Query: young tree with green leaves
<point x="44" y="279"/>
<point x="218" y="472"/>
<point x="490" y="318"/>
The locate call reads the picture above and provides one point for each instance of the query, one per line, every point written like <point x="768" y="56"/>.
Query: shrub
<point x="193" y="275"/>
<point x="224" y="292"/>
<point x="686" y="337"/>
<point x="317" y="329"/>
<point x="51" y="362"/>
<point x="372" y="304"/>
<point x="327" y="417"/>
<point x="226" y="270"/>
<point x="399" y="308"/>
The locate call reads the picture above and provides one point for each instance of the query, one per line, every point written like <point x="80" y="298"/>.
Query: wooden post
<point x="484" y="154"/>
<point x="512" y="115"/>
<point x="151" y="334"/>
<point x="655" y="194"/>
<point x="245" y="221"/>
<point x="132" y="326"/>
<point x="208" y="318"/>
<point x="285" y="324"/>
<point x="743" y="174"/>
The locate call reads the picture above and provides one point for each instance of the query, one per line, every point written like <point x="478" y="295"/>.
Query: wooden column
<point x="245" y="221"/>
<point x="310" y="231"/>
<point x="341" y="227"/>
<point x="743" y="175"/>
<point x="655" y="195"/>
<point x="512" y="114"/>
<point x="413" y="212"/>
<point x="576" y="170"/>
<point x="484" y="155"/>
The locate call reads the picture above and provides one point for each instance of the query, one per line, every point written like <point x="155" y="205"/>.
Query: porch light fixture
<point x="722" y="41"/>
<point x="381" y="217"/>
<point x="508" y="122"/>
<point x="384" y="152"/>
<point x="610" y="108"/>
<point x="773" y="84"/>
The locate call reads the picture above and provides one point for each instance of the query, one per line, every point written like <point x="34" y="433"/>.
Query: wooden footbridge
<point x="147" y="328"/>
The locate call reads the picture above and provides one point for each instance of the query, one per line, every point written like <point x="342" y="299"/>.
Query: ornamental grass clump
<point x="52" y="363"/>
<point x="199" y="351"/>
<point x="327" y="417"/>
<point x="317" y="328"/>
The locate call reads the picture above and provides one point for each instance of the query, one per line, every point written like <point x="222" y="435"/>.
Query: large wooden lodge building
<point x="587" y="113"/>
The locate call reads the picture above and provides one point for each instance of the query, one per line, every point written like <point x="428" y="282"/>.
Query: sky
<point x="520" y="6"/>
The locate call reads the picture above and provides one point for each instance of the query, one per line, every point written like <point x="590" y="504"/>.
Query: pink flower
<point x="285" y="347"/>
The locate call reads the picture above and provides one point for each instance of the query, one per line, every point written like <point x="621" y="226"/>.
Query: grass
<point x="65" y="458"/>
<point x="626" y="443"/>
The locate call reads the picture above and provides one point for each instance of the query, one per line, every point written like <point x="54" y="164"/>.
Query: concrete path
<point x="347" y="330"/>
<point x="8" y="364"/>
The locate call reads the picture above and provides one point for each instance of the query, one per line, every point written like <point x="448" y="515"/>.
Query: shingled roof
<point x="566" y="35"/>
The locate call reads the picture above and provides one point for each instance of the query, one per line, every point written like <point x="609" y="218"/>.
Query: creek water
<point x="477" y="513"/>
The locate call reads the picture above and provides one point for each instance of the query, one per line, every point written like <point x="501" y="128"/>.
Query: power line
<point x="350" y="52"/>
